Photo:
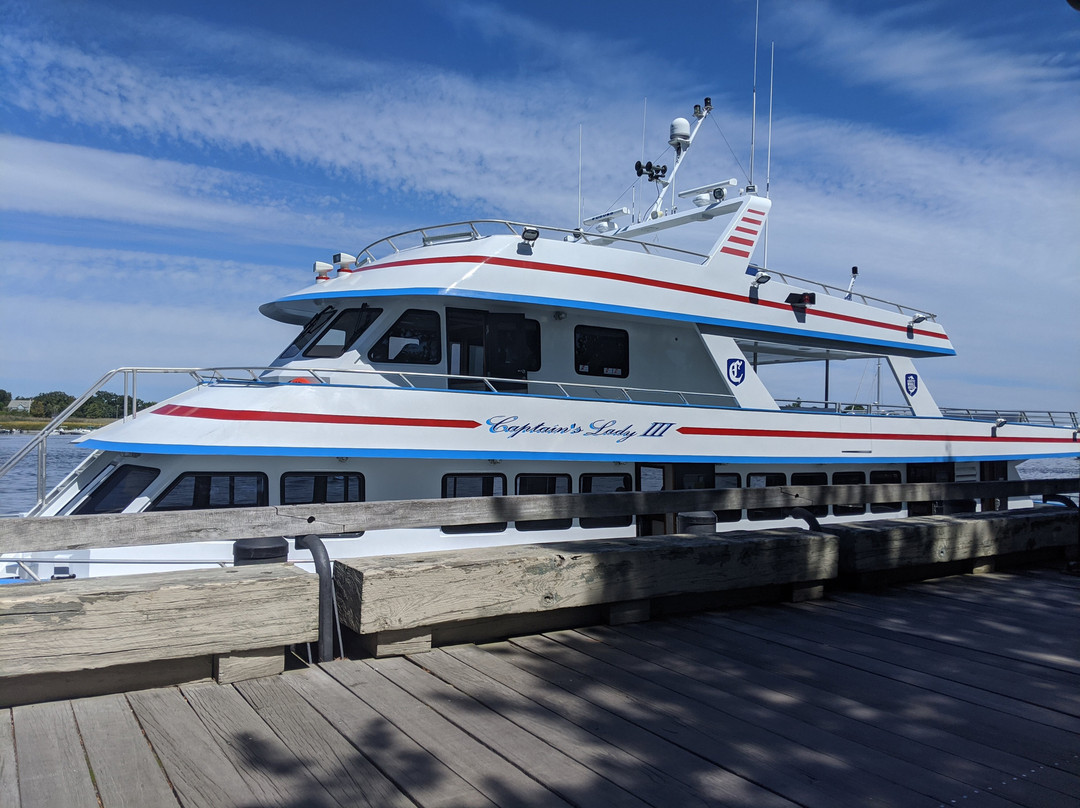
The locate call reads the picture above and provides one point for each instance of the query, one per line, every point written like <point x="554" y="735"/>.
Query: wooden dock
<point x="957" y="691"/>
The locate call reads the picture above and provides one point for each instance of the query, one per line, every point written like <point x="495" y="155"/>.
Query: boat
<point x="494" y="357"/>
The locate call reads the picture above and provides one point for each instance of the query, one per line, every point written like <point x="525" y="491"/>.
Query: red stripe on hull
<point x="307" y="417"/>
<point x="777" y="433"/>
<point x="651" y="282"/>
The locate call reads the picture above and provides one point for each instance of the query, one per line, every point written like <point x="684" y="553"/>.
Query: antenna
<point x="768" y="158"/>
<point x="644" y="118"/>
<point x="580" y="213"/>
<point x="753" y="95"/>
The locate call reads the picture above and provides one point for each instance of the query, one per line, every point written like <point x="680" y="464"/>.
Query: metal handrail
<point x="416" y="380"/>
<point x="1043" y="417"/>
<point x="39" y="441"/>
<point x="427" y="238"/>
<point x="844" y="407"/>
<point x="834" y="291"/>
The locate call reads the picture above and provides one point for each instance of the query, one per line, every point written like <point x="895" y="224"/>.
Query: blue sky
<point x="166" y="167"/>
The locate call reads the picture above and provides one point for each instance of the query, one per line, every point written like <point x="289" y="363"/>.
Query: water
<point x="18" y="490"/>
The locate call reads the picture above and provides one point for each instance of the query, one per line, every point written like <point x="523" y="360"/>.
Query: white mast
<point x="580" y="210"/>
<point x="753" y="94"/>
<point x="768" y="158"/>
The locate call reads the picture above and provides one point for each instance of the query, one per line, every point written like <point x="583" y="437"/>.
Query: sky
<point x="167" y="167"/>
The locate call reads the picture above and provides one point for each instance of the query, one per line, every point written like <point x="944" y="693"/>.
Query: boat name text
<point x="512" y="426"/>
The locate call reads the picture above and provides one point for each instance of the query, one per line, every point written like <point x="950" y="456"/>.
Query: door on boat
<point x="495" y="345"/>
<point x="670" y="477"/>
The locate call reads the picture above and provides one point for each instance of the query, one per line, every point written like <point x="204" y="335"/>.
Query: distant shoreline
<point x="27" y="423"/>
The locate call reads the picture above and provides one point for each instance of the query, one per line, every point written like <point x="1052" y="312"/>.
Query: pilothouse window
<point x="415" y="339"/>
<point x="119" y="491"/>
<point x="314" y="325"/>
<point x="342" y="333"/>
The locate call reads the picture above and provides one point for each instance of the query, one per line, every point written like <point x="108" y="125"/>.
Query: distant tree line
<point x="100" y="405"/>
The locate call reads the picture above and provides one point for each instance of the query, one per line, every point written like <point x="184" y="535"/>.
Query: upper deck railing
<point x="846" y="294"/>
<point x="482" y="228"/>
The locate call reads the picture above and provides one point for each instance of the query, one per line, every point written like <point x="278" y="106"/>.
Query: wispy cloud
<point x="991" y="85"/>
<point x="60" y="180"/>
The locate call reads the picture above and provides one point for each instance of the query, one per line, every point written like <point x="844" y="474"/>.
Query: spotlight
<point x="918" y="318"/>
<point x="529" y="235"/>
<point x="762" y="277"/>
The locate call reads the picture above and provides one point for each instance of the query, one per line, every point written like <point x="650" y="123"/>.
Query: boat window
<point x="929" y="473"/>
<point x="728" y="480"/>
<point x="848" y="478"/>
<point x="200" y="489"/>
<point x="765" y="480"/>
<point x="812" y="478"/>
<point x="601" y="351"/>
<point x="989" y="471"/>
<point x="543" y="484"/>
<point x="343" y="333"/>
<point x="889" y="477"/>
<point x="314" y="325"/>
<point x="498" y="345"/>
<point x="307" y="488"/>
<point x="415" y="339"/>
<point x="605" y="484"/>
<point x="119" y="490"/>
<point x="474" y="485"/>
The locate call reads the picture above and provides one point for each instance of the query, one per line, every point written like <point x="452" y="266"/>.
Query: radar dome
<point x="680" y="131"/>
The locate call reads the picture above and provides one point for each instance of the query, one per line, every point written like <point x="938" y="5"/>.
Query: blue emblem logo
<point x="736" y="371"/>
<point x="911" y="384"/>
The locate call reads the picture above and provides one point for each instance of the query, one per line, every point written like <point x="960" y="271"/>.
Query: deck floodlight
<point x="1000" y="422"/>
<point x="762" y="277"/>
<point x="530" y="235"/>
<point x="918" y="318"/>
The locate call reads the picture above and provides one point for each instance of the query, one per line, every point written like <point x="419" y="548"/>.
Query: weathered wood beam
<point x="388" y="598"/>
<point x="34" y="534"/>
<point x="103" y="622"/>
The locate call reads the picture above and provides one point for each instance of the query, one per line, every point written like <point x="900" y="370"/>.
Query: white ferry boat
<point x="489" y="358"/>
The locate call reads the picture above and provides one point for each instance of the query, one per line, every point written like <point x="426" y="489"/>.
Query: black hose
<point x="326" y="593"/>
<point x="809" y="518"/>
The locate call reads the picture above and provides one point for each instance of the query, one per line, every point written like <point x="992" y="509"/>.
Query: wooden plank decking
<point x="959" y="691"/>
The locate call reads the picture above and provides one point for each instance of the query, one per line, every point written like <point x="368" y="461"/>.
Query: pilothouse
<point x="493" y="357"/>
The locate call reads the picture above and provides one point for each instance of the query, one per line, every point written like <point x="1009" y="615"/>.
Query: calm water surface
<point x="18" y="490"/>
